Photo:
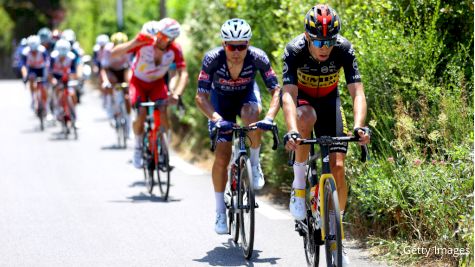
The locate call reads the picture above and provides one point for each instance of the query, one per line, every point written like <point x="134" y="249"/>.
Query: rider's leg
<point x="306" y="118"/>
<point x="219" y="176"/>
<point x="337" y="165"/>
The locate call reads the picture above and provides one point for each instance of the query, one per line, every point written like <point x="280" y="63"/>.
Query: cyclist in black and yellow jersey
<point x="311" y="101"/>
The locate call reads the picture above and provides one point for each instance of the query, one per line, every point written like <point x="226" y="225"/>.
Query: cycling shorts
<point x="229" y="106"/>
<point x="116" y="76"/>
<point x="35" y="73"/>
<point x="140" y="91"/>
<point x="331" y="119"/>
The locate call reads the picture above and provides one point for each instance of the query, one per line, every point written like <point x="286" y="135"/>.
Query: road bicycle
<point x="155" y="154"/>
<point x="66" y="108"/>
<point x="120" y="114"/>
<point x="239" y="194"/>
<point x="322" y="198"/>
<point x="40" y="100"/>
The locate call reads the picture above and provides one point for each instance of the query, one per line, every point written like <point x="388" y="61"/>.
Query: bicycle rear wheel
<point x="333" y="245"/>
<point x="247" y="203"/>
<point x="163" y="169"/>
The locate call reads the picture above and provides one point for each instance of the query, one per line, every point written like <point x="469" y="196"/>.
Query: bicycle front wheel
<point x="246" y="203"/>
<point x="163" y="170"/>
<point x="147" y="163"/>
<point x="332" y="224"/>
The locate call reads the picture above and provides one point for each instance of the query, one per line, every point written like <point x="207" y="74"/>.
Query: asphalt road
<point x="82" y="203"/>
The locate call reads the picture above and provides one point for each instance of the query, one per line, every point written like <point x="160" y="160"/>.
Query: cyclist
<point x="99" y="51"/>
<point x="115" y="69"/>
<point x="16" y="57"/>
<point x="35" y="61"/>
<point x="45" y="35"/>
<point x="155" y="50"/>
<point x="312" y="63"/>
<point x="226" y="89"/>
<point x="63" y="67"/>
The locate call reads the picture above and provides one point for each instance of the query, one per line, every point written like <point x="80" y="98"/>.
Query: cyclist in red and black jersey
<point x="312" y="62"/>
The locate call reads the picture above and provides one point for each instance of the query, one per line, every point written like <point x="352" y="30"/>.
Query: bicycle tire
<point x="233" y="216"/>
<point x="331" y="203"/>
<point x="147" y="164"/>
<point x="247" y="200"/>
<point x="163" y="169"/>
<point x="312" y="248"/>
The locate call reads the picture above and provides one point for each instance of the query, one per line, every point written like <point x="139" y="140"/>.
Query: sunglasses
<point x="239" y="47"/>
<point x="322" y="43"/>
<point x="162" y="37"/>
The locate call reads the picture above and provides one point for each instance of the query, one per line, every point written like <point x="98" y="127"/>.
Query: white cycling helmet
<point x="170" y="28"/>
<point x="63" y="47"/>
<point x="236" y="30"/>
<point x="151" y="27"/>
<point x="33" y="42"/>
<point x="102" y="40"/>
<point x="68" y="35"/>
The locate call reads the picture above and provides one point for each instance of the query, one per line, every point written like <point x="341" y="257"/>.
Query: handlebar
<point x="215" y="132"/>
<point x="328" y="140"/>
<point x="156" y="104"/>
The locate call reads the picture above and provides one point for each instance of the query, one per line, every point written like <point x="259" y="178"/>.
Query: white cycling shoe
<point x="137" y="159"/>
<point x="221" y="226"/>
<point x="345" y="260"/>
<point x="297" y="204"/>
<point x="258" y="181"/>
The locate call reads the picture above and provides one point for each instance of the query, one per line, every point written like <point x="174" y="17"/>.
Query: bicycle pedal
<point x="256" y="205"/>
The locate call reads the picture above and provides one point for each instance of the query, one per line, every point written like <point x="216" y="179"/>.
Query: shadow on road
<point x="143" y="198"/>
<point x="113" y="147"/>
<point x="231" y="255"/>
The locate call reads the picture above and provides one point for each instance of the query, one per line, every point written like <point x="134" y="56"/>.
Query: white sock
<point x="254" y="155"/>
<point x="138" y="140"/>
<point x="220" y="206"/>
<point x="300" y="169"/>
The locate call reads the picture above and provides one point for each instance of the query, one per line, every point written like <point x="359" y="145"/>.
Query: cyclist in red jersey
<point x="155" y="50"/>
<point x="312" y="63"/>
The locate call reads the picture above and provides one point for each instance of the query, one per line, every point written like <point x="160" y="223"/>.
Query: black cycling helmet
<point x="322" y="22"/>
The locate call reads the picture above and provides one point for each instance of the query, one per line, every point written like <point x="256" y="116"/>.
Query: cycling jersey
<point x="35" y="59"/>
<point x="98" y="55"/>
<point x="144" y="67"/>
<point x="229" y="95"/>
<point x="314" y="78"/>
<point x="113" y="63"/>
<point x="62" y="66"/>
<point x="215" y="77"/>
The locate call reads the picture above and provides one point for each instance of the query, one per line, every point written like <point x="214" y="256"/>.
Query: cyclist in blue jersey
<point x="226" y="89"/>
<point x="34" y="62"/>
<point x="311" y="101"/>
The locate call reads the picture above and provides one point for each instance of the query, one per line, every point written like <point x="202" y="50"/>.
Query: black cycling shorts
<point x="118" y="74"/>
<point x="331" y="119"/>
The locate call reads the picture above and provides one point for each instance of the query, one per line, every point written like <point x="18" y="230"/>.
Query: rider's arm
<point x="359" y="103"/>
<point x="289" y="106"/>
<point x="182" y="76"/>
<point x="274" y="103"/>
<point x="132" y="45"/>
<point x="204" y="104"/>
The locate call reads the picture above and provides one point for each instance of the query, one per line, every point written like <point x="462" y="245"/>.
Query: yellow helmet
<point x="119" y="38"/>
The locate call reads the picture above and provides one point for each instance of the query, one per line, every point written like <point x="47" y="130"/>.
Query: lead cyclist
<point x="311" y="101"/>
